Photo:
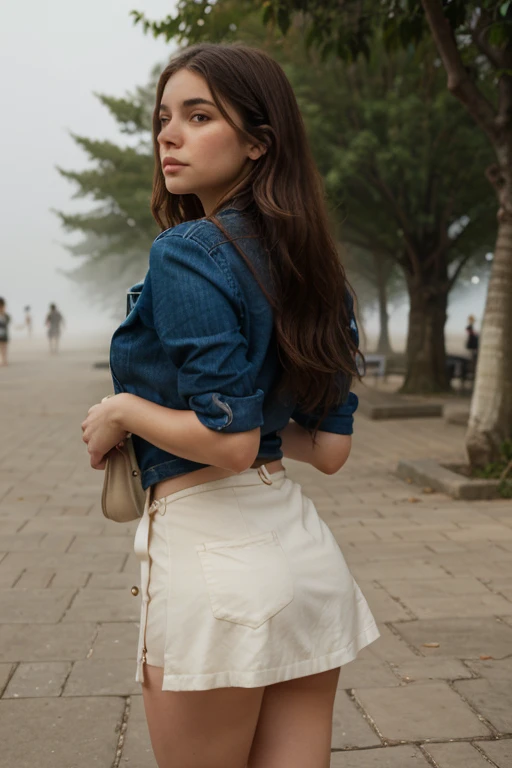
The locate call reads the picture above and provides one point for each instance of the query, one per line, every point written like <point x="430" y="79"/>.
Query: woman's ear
<point x="256" y="151"/>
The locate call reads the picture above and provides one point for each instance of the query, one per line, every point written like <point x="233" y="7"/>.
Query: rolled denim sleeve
<point x="197" y="314"/>
<point x="340" y="419"/>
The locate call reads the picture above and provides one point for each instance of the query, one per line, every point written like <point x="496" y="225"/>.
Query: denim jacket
<point x="200" y="336"/>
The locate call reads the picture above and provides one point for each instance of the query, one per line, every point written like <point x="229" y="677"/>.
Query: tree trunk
<point x="426" y="353"/>
<point x="382" y="276"/>
<point x="490" y="421"/>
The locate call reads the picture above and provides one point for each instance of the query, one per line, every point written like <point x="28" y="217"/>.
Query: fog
<point x="54" y="56"/>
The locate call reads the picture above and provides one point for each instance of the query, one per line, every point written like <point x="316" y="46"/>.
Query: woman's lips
<point x="173" y="168"/>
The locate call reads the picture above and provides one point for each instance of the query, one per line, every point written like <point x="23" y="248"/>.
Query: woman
<point x="5" y="319"/>
<point x="54" y="321"/>
<point x="243" y="322"/>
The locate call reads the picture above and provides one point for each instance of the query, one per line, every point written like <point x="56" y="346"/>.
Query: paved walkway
<point x="435" y="690"/>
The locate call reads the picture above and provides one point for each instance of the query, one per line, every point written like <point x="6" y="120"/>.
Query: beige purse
<point x="123" y="497"/>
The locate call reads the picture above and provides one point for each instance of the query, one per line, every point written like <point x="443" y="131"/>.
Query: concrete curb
<point x="429" y="472"/>
<point x="400" y="410"/>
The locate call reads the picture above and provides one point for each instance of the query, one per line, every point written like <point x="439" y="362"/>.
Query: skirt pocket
<point x="248" y="580"/>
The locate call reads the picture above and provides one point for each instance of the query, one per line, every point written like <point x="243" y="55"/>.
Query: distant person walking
<point x="472" y="340"/>
<point x="54" y="323"/>
<point x="5" y="319"/>
<point x="28" y="321"/>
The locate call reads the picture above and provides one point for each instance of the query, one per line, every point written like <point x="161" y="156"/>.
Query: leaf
<point x="485" y="657"/>
<point x="431" y="645"/>
<point x="504" y="8"/>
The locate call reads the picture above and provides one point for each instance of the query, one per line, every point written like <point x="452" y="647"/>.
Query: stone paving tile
<point x="350" y="727"/>
<point x="46" y="642"/>
<point x="492" y="669"/>
<point x="388" y="647"/>
<point x="383" y="607"/>
<point x="461" y="606"/>
<point x="103" y="562"/>
<point x="438" y="668"/>
<point x="461" y="755"/>
<point x="103" y="605"/>
<point x="56" y="542"/>
<point x="35" y="578"/>
<point x="499" y="751"/>
<point x="461" y="638"/>
<point x="392" y="551"/>
<point x="388" y="757"/>
<point x="10" y="572"/>
<point x="38" y="679"/>
<point x="413" y="713"/>
<point x="493" y="700"/>
<point x="69" y="578"/>
<point x="117" y="640"/>
<point x="103" y="544"/>
<point x="59" y="733"/>
<point x="481" y="533"/>
<point x="5" y="673"/>
<point x="405" y="569"/>
<point x="449" y="586"/>
<point x="34" y="605"/>
<point x="102" y="677"/>
<point x="137" y="752"/>
<point x="9" y="527"/>
<point x="111" y="581"/>
<point x="76" y="526"/>
<point x="366" y="673"/>
<point x="22" y="542"/>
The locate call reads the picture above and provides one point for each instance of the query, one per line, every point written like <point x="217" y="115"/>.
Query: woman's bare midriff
<point x="205" y="475"/>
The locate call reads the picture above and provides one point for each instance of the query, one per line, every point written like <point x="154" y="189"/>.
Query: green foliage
<point x="118" y="231"/>
<point x="499" y="470"/>
<point x="401" y="160"/>
<point x="343" y="29"/>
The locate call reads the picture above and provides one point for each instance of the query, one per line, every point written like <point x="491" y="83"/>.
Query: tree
<point x="398" y="158"/>
<point x="118" y="232"/>
<point x="474" y="39"/>
<point x="379" y="284"/>
<point x="401" y="163"/>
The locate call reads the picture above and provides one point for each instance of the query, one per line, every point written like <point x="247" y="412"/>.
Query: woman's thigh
<point x="295" y="724"/>
<point x="200" y="729"/>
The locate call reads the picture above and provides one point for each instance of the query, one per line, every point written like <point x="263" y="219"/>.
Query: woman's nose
<point x="169" y="135"/>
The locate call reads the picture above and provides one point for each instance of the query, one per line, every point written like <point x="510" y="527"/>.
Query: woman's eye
<point x="164" y="121"/>
<point x="203" y="118"/>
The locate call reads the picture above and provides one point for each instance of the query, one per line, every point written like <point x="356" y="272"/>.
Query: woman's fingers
<point x="97" y="461"/>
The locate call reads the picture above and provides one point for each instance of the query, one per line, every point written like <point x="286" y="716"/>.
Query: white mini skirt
<point x="243" y="585"/>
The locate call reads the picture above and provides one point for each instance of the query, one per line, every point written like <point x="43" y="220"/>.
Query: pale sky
<point x="54" y="55"/>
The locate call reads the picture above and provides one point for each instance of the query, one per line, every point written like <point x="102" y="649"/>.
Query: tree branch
<point x="462" y="263"/>
<point x="401" y="218"/>
<point x="459" y="81"/>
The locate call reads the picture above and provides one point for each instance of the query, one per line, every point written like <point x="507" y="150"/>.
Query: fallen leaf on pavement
<point x="484" y="657"/>
<point x="413" y="499"/>
<point x="431" y="645"/>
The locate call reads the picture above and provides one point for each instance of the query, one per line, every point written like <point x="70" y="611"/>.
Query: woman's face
<point x="211" y="157"/>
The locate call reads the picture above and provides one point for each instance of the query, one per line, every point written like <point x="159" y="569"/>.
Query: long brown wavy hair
<point x="285" y="197"/>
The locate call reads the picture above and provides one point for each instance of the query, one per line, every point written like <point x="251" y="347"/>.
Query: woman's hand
<point x="101" y="432"/>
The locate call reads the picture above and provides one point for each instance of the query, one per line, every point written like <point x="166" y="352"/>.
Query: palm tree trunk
<point x="490" y="421"/>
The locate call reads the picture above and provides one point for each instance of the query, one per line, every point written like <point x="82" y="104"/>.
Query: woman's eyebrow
<point x="190" y="103"/>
